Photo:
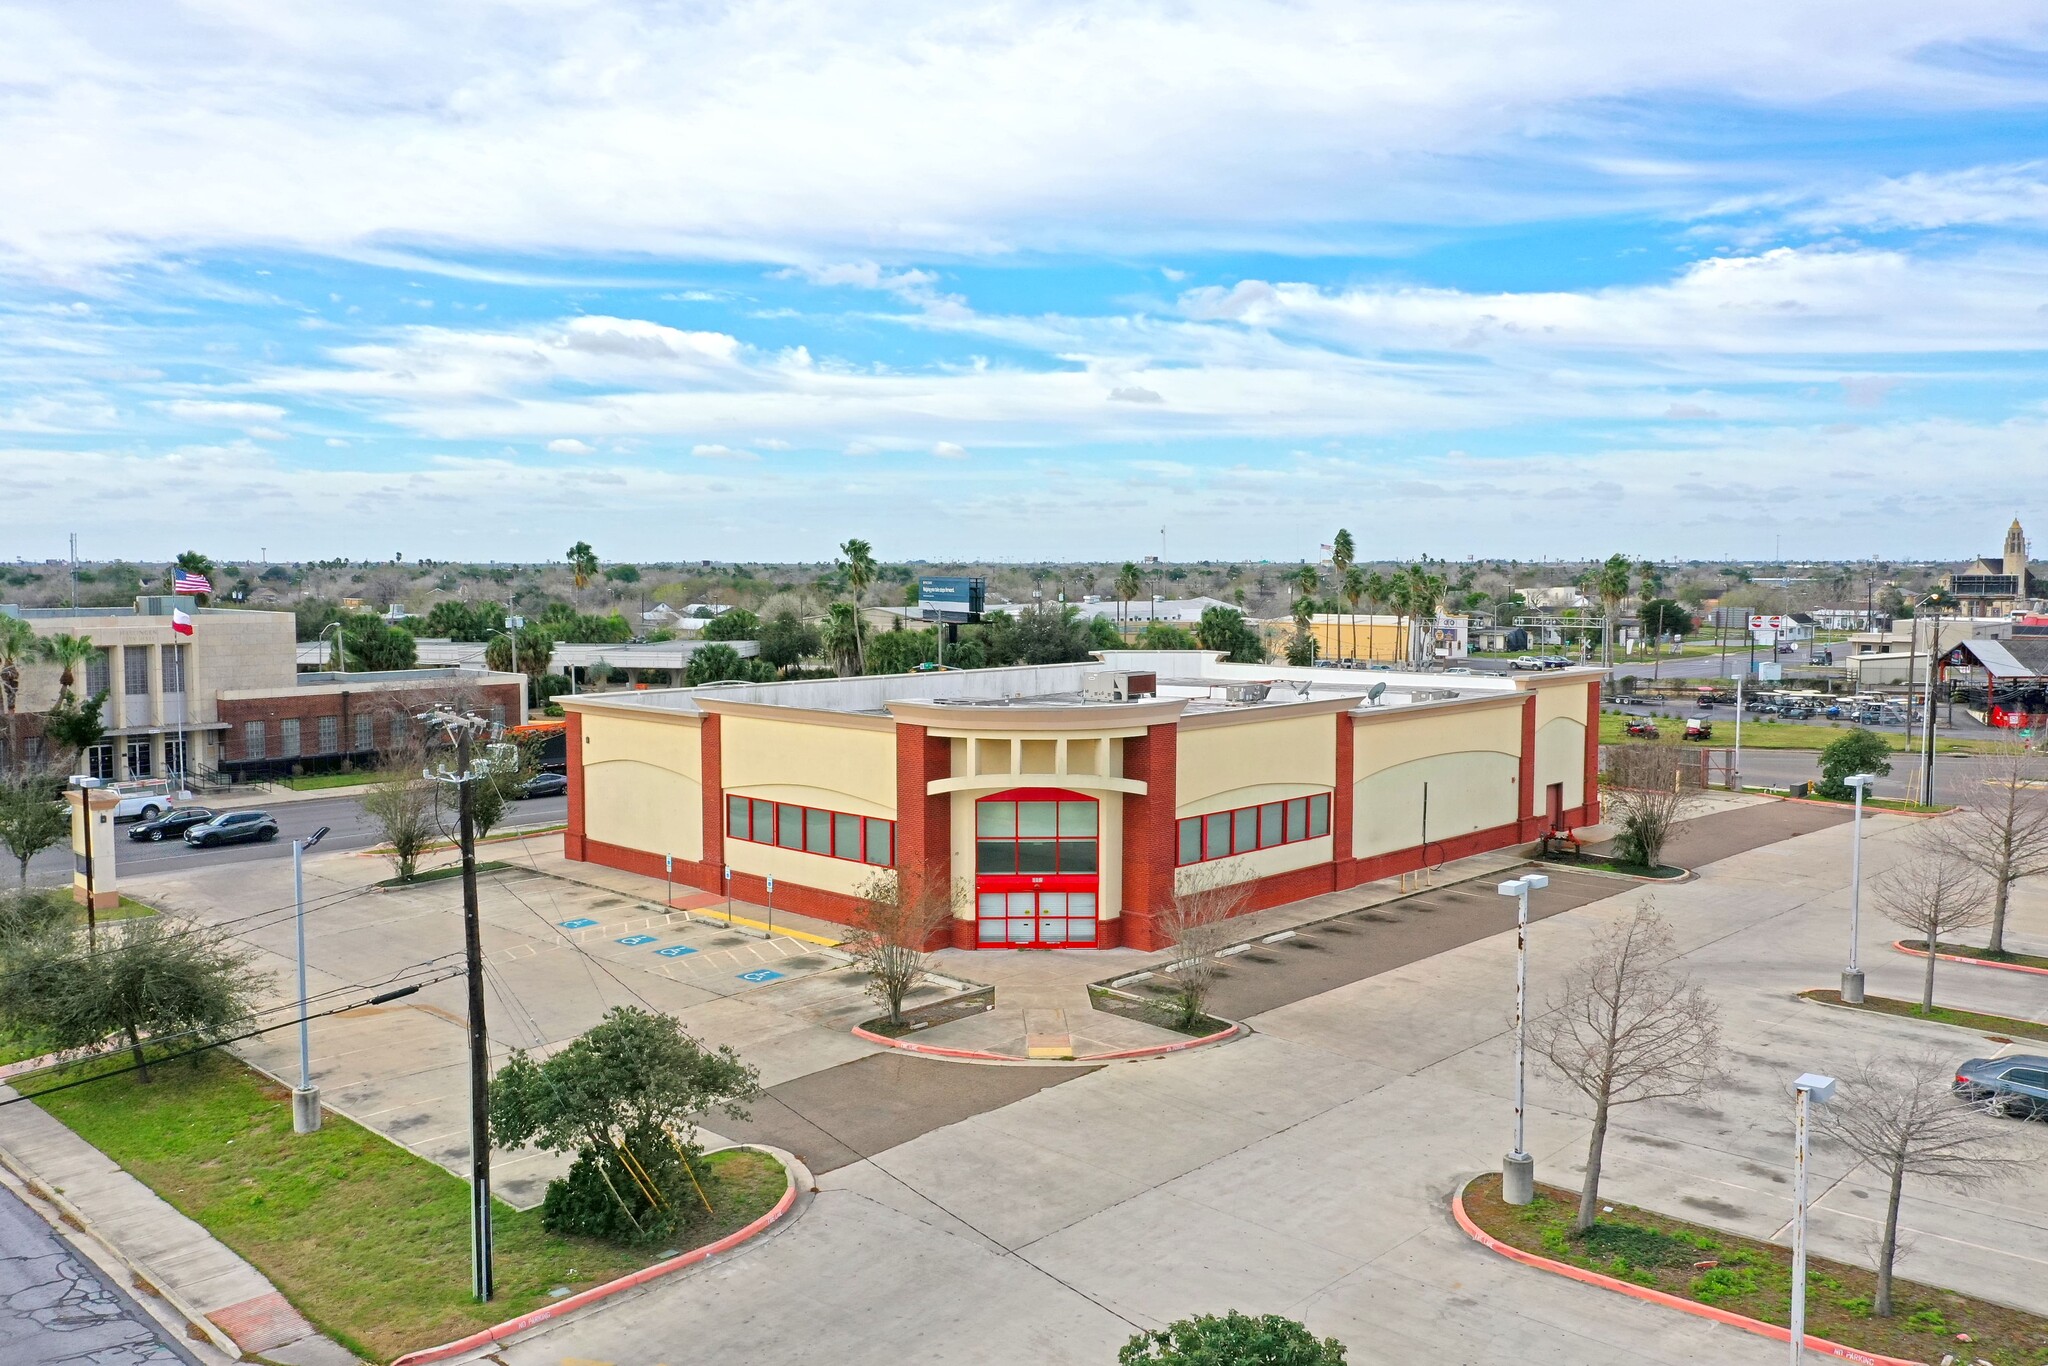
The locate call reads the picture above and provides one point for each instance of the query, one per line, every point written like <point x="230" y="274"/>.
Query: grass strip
<point x="369" y="1242"/>
<point x="313" y="782"/>
<point x="2029" y="960"/>
<point x="1754" y="1279"/>
<point x="442" y="874"/>
<point x="1996" y="1025"/>
<point x="1608" y="865"/>
<point x="1758" y="734"/>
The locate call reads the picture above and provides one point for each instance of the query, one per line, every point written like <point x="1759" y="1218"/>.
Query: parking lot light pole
<point x="1518" y="1171"/>
<point x="1812" y="1089"/>
<point x="305" y="1096"/>
<point x="1852" y="976"/>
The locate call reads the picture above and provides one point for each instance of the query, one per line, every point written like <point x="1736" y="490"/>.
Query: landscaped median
<point x="1746" y="1283"/>
<point x="2002" y="1028"/>
<point x="1981" y="957"/>
<point x="368" y="1241"/>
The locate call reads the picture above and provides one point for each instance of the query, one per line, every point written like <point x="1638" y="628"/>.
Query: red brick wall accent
<point x="1342" y="797"/>
<point x="924" y="822"/>
<point x="1149" y="834"/>
<point x="751" y="888"/>
<point x="1529" y="812"/>
<point x="573" y="841"/>
<point x="1440" y="851"/>
<point x="1590" y="812"/>
<point x="714" y="800"/>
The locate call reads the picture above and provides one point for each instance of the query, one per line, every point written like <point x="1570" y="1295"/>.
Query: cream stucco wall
<point x="643" y="783"/>
<point x="1469" y="759"/>
<point x="794" y="866"/>
<point x="834" y="768"/>
<point x="1249" y="762"/>
<point x="1561" y="758"/>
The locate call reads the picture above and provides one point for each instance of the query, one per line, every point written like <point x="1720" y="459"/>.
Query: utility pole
<point x="462" y="729"/>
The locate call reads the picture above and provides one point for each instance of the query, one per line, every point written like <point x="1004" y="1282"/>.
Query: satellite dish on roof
<point x="1372" y="694"/>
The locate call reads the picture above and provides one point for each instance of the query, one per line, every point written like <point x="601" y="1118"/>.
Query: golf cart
<point x="1699" y="728"/>
<point x="1640" y="728"/>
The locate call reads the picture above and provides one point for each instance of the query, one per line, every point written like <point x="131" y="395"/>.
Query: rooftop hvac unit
<point x="1118" y="685"/>
<point x="1246" y="692"/>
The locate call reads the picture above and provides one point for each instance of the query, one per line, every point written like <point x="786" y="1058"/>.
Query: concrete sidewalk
<point x="240" y="1310"/>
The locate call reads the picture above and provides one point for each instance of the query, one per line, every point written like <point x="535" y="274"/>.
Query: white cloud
<point x="1999" y="196"/>
<point x="949" y="450"/>
<point x="221" y="412"/>
<point x="720" y="452"/>
<point x="569" y="445"/>
<point x="336" y="443"/>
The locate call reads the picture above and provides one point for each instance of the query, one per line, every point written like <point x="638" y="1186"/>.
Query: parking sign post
<point x="771" y="907"/>
<point x="728" y="896"/>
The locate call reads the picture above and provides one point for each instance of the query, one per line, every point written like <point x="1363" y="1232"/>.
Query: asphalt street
<point x="56" y="1308"/>
<point x="348" y="828"/>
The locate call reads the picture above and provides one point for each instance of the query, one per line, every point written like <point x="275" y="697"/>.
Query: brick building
<point x="327" y="719"/>
<point x="1068" y="804"/>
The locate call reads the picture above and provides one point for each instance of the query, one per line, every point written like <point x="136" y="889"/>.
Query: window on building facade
<point x="174" y="668"/>
<point x="498" y="716"/>
<point x="135" y="671"/>
<point x="98" y="674"/>
<point x="252" y="739"/>
<point x="288" y="737"/>
<point x="330" y="734"/>
<point x="366" y="731"/>
<point x="174" y="756"/>
<point x="138" y="758"/>
<point x="835" y="834"/>
<point x="1220" y="834"/>
<point x="99" y="761"/>
<point x="1035" y="837"/>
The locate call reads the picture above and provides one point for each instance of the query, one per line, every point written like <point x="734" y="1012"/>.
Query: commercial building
<point x="1068" y="804"/>
<point x="1377" y="638"/>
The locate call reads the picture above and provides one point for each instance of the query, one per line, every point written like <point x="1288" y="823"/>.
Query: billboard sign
<point x="949" y="599"/>
<point x="1767" y="621"/>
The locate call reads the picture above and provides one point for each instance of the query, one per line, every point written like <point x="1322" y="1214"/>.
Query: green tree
<point x="1611" y="583"/>
<point x="1343" y="554"/>
<point x="1354" y="589"/>
<point x="1856" y="751"/>
<point x="464" y="621"/>
<point x="625" y="1097"/>
<point x="76" y="724"/>
<point x="582" y="563"/>
<point x="147" y="981"/>
<point x="900" y="651"/>
<point x="312" y="616"/>
<point x="30" y="822"/>
<point x="17" y="647"/>
<point x="1225" y="629"/>
<point x="1129" y="583"/>
<point x="68" y="653"/>
<point x="373" y="644"/>
<point x="858" y="565"/>
<point x="536" y="651"/>
<point x="1163" y="635"/>
<point x="786" y="639"/>
<point x="717" y="663"/>
<point x="1103" y="635"/>
<point x="1664" y="617"/>
<point x="1233" y="1340"/>
<point x="735" y="624"/>
<point x="622" y="573"/>
<point x="841" y="637"/>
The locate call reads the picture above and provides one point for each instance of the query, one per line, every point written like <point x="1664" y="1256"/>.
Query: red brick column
<point x="1341" y="799"/>
<point x="1529" y="818"/>
<point x="711" y="774"/>
<point x="1592" y="791"/>
<point x="573" y="839"/>
<point x="924" y="820"/>
<point x="1149" y="834"/>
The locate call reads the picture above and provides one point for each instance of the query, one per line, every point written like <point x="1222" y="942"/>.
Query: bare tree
<point x="404" y="806"/>
<point x="1902" y="1116"/>
<point x="1193" y="924"/>
<point x="1649" y="789"/>
<point x="1934" y="891"/>
<point x="900" y="912"/>
<point x="1627" y="1027"/>
<point x="2006" y="835"/>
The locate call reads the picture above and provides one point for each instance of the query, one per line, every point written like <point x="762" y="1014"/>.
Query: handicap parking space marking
<point x="583" y="923"/>
<point x="633" y="941"/>
<point x="675" y="951"/>
<point x="760" y="975"/>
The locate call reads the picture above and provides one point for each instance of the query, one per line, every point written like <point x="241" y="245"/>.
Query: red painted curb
<point x="974" y="1055"/>
<point x="1642" y="1292"/>
<point x="1868" y="810"/>
<point x="1902" y="946"/>
<point x="498" y="1332"/>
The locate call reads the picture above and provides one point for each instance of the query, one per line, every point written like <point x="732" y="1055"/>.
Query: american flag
<point x="191" y="583"/>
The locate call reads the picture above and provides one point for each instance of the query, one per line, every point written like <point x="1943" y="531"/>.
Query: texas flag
<point x="181" y="623"/>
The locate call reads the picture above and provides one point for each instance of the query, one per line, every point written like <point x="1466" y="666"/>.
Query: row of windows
<point x="1038" y="837"/>
<point x="1221" y="834"/>
<point x="363" y="735"/>
<point x="135" y="671"/>
<point x="860" y="839"/>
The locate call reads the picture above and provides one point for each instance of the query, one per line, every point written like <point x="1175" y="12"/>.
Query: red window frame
<point x="1055" y="879"/>
<point x="802" y="820"/>
<point x="1236" y="822"/>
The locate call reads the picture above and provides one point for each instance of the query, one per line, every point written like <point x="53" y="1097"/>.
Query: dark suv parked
<point x="170" y="824"/>
<point x="236" y="827"/>
<point x="2016" y="1085"/>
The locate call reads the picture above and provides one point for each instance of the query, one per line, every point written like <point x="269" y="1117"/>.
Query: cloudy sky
<point x="742" y="278"/>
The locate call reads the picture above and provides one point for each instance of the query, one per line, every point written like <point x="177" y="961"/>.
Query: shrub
<point x="1856" y="751"/>
<point x="1723" y="1283"/>
<point x="1233" y="1340"/>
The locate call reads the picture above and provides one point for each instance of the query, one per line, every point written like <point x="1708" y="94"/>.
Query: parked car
<point x="1461" y="669"/>
<point x="236" y="827"/>
<point x="2015" y="1085"/>
<point x="170" y="824"/>
<point x="1527" y="663"/>
<point x="540" y="785"/>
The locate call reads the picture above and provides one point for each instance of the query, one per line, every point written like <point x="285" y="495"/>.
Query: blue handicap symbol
<point x="675" y="951"/>
<point x="577" y="924"/>
<point x="761" y="975"/>
<point x="634" y="940"/>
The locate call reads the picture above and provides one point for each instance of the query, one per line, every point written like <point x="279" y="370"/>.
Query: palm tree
<point x="1611" y="581"/>
<point x="1374" y="589"/>
<point x="1353" y="589"/>
<point x="858" y="560"/>
<point x="191" y="562"/>
<point x="18" y="645"/>
<point x="1343" y="553"/>
<point x="840" y="637"/>
<point x="582" y="563"/>
<point x="1425" y="595"/>
<point x="67" y="652"/>
<point x="1129" y="583"/>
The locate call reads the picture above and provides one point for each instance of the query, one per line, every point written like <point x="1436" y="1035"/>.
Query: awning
<point x="1991" y="656"/>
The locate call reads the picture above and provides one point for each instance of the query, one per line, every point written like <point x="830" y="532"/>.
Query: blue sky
<point x="1028" y="280"/>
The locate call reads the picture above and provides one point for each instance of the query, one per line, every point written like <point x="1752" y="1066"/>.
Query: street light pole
<point x="1852" y="976"/>
<point x="306" y="1096"/>
<point x="1518" y="1171"/>
<point x="1812" y="1088"/>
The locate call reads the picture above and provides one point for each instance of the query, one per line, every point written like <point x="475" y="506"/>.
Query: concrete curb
<point x="1802" y="997"/>
<point x="1868" y="809"/>
<point x="800" y="1185"/>
<point x="78" y="1219"/>
<point x="1124" y="1055"/>
<point x="1684" y="874"/>
<point x="1901" y="946"/>
<point x="1640" y="1292"/>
